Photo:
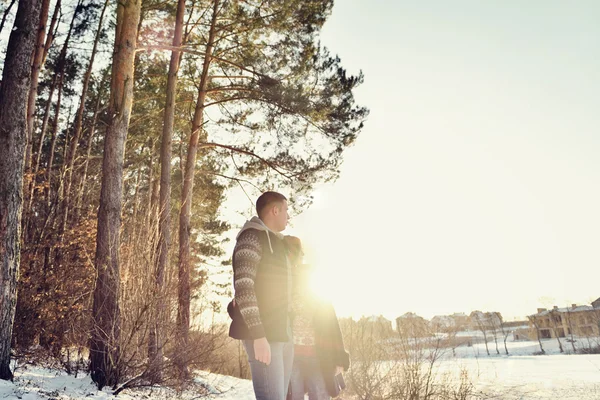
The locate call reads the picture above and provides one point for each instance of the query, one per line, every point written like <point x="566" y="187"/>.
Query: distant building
<point x="378" y="324"/>
<point x="443" y="322"/>
<point x="484" y="320"/>
<point x="522" y="333"/>
<point x="579" y="320"/>
<point x="461" y="319"/>
<point x="412" y="325"/>
<point x="456" y="321"/>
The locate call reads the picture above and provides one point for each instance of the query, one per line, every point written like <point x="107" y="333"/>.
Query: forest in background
<point x="123" y="125"/>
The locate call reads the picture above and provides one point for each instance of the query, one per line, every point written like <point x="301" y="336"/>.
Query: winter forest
<point x="129" y="128"/>
<point x="122" y="127"/>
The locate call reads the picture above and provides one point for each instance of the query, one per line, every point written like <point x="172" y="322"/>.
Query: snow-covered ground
<point x="37" y="383"/>
<point x="520" y="375"/>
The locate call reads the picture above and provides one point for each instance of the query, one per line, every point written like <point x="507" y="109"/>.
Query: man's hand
<point x="339" y="370"/>
<point x="262" y="350"/>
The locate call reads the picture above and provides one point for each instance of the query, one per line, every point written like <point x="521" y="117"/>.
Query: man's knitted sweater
<point x="261" y="280"/>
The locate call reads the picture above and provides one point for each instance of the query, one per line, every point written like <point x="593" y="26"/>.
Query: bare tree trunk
<point x="555" y="330"/>
<point x="41" y="144"/>
<point x="5" y="14"/>
<point x="35" y="75"/>
<point x="537" y="333"/>
<point x="105" y="335"/>
<point x="505" y="334"/>
<point x="52" y="30"/>
<point x="88" y="153"/>
<point x="150" y="230"/>
<point x="164" y="208"/>
<point x="53" y="136"/>
<point x="135" y="198"/>
<point x="183" y="292"/>
<point x="70" y="159"/>
<point x="61" y="178"/>
<point x="13" y="137"/>
<point x="153" y="189"/>
<point x="61" y="77"/>
<point x="486" y="342"/>
<point x="496" y="341"/>
<point x="31" y="110"/>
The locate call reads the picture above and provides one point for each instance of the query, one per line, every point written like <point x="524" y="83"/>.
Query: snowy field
<point x="519" y="376"/>
<point x="524" y="376"/>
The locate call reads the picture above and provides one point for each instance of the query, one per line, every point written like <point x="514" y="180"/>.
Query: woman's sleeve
<point x="342" y="357"/>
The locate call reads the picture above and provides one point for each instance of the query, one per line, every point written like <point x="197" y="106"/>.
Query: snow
<point x="521" y="375"/>
<point x="564" y="310"/>
<point x="38" y="383"/>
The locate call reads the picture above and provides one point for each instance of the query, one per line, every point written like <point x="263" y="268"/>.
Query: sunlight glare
<point x="321" y="284"/>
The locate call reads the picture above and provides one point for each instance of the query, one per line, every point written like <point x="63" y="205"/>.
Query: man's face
<point x="281" y="215"/>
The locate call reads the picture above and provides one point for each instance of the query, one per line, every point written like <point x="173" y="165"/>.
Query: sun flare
<point x="320" y="284"/>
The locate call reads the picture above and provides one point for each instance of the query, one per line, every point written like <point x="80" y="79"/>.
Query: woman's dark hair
<point x="294" y="248"/>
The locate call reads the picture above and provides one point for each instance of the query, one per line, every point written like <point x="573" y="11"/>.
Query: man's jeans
<point x="308" y="377"/>
<point x="271" y="381"/>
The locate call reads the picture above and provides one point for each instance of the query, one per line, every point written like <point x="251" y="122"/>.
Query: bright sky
<point x="475" y="183"/>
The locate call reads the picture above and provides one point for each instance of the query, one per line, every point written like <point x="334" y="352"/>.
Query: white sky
<point x="475" y="183"/>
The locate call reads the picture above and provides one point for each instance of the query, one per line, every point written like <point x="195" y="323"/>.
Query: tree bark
<point x="31" y="112"/>
<point x="41" y="143"/>
<point x="16" y="77"/>
<point x="35" y="75"/>
<point x="105" y="335"/>
<point x="164" y="208"/>
<point x="183" y="292"/>
<point x="52" y="30"/>
<point x="87" y="155"/>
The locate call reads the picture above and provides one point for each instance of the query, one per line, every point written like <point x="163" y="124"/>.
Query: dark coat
<point x="329" y="343"/>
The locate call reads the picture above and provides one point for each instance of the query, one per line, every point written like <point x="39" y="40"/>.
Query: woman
<point x="319" y="354"/>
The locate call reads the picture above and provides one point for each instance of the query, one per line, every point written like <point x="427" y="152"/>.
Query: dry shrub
<point x="402" y="367"/>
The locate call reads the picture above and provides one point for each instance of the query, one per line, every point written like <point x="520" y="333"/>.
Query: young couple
<point x="293" y="340"/>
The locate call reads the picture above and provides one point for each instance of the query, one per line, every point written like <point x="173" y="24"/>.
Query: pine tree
<point x="13" y="138"/>
<point x="104" y="344"/>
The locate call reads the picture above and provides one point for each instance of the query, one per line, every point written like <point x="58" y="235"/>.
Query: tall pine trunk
<point x="105" y="335"/>
<point x="43" y="130"/>
<point x="53" y="137"/>
<point x="35" y="74"/>
<point x="164" y="208"/>
<point x="13" y="137"/>
<point x="72" y="151"/>
<point x="86" y="162"/>
<point x="31" y="111"/>
<point x="61" y="77"/>
<point x="183" y="292"/>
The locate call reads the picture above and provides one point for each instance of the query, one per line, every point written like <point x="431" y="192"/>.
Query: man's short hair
<point x="266" y="199"/>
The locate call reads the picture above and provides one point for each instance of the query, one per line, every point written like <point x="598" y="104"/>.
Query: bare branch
<point x="200" y="53"/>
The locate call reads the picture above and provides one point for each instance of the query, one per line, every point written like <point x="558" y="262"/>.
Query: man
<point x="260" y="310"/>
